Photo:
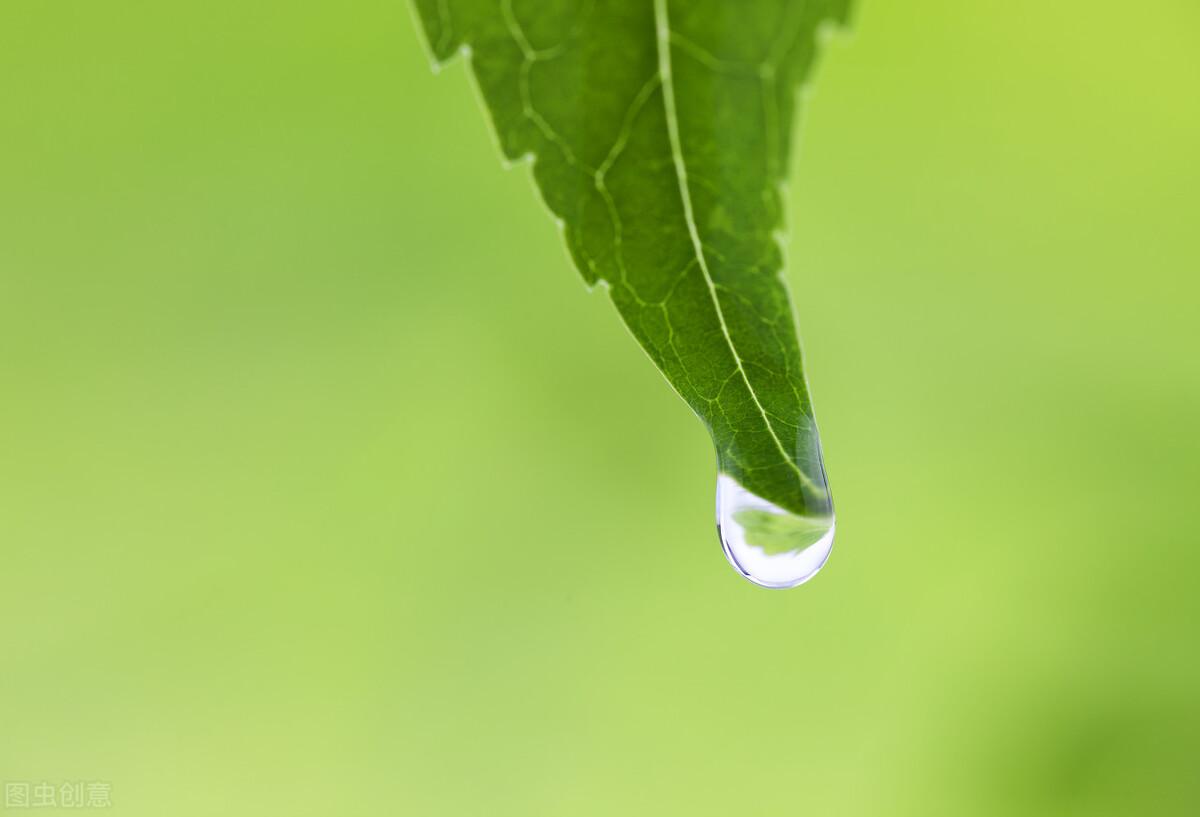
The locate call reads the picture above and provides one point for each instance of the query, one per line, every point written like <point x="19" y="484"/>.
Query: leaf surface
<point x="660" y="134"/>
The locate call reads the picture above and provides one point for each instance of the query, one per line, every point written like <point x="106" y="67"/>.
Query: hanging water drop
<point x="770" y="546"/>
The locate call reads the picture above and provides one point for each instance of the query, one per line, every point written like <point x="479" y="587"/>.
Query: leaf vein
<point x="663" y="28"/>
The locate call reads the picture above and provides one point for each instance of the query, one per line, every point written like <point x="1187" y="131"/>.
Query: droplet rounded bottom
<point x="766" y="544"/>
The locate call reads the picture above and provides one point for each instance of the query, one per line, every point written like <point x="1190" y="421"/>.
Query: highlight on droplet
<point x="768" y="545"/>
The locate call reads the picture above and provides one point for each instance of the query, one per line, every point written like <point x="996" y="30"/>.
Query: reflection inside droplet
<point x="766" y="544"/>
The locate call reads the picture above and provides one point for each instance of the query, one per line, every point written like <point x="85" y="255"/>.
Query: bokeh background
<point x="325" y="487"/>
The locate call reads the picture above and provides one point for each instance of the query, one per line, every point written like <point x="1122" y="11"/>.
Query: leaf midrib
<point x="663" y="43"/>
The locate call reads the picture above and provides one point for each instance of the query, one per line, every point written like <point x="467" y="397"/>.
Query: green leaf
<point x="660" y="132"/>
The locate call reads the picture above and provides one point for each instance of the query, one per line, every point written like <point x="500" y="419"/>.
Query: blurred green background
<point x="325" y="487"/>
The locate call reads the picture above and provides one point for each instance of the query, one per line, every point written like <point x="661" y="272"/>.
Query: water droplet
<point x="768" y="545"/>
